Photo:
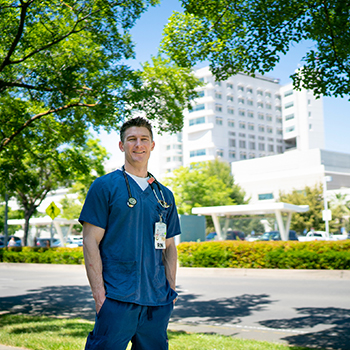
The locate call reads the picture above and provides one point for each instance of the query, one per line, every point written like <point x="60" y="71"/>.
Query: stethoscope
<point x="131" y="202"/>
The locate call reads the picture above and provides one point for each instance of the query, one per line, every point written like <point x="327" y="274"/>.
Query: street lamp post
<point x="327" y="214"/>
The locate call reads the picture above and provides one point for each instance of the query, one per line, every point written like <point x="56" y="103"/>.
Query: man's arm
<point x="170" y="262"/>
<point x="92" y="236"/>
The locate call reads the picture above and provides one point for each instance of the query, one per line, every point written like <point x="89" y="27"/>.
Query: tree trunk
<point x="27" y="215"/>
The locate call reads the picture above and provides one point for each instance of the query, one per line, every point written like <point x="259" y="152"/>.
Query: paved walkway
<point x="5" y="347"/>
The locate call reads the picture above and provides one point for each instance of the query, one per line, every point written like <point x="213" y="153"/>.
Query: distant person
<point x="129" y="223"/>
<point x="12" y="242"/>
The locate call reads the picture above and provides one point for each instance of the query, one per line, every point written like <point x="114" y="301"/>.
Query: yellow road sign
<point x="52" y="210"/>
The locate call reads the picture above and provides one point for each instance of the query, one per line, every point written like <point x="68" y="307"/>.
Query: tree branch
<point x="7" y="140"/>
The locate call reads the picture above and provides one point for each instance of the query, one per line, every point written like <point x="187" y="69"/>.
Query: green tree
<point x="311" y="196"/>
<point x="339" y="204"/>
<point x="204" y="184"/>
<point x="250" y="37"/>
<point x="69" y="60"/>
<point x="41" y="169"/>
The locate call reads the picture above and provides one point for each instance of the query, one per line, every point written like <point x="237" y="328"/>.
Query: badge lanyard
<point x="131" y="202"/>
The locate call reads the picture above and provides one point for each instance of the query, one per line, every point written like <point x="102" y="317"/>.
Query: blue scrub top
<point x="133" y="269"/>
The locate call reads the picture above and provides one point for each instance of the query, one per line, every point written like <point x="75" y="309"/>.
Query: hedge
<point x="331" y="255"/>
<point x="42" y="255"/>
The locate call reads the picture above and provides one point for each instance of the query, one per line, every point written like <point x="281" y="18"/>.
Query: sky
<point x="147" y="35"/>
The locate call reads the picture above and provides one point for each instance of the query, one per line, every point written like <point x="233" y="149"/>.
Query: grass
<point x="47" y="333"/>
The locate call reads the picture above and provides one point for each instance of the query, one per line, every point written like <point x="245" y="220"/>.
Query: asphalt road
<point x="299" y="308"/>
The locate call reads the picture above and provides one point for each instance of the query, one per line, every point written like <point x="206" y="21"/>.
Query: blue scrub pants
<point x="117" y="323"/>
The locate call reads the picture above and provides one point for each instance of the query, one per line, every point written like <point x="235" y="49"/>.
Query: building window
<point x="198" y="152"/>
<point x="260" y="104"/>
<point x="290" y="128"/>
<point x="229" y="86"/>
<point x="251" y="155"/>
<point x="218" y="108"/>
<point x="229" y="98"/>
<point x="251" y="145"/>
<point x="269" y="117"/>
<point x="250" y="126"/>
<point x="251" y="137"/>
<point x="230" y="110"/>
<point x="278" y="96"/>
<point x="260" y="92"/>
<point x="288" y="93"/>
<point x="268" y="94"/>
<point x="265" y="196"/>
<point x="261" y="147"/>
<point x="268" y="106"/>
<point x="250" y="102"/>
<point x="232" y="142"/>
<point x="269" y="129"/>
<point x="242" y="144"/>
<point x="243" y="155"/>
<point x="260" y="116"/>
<point x="262" y="138"/>
<point x="279" y="120"/>
<point x="309" y="114"/>
<point x="219" y="153"/>
<point x="289" y="105"/>
<point x="270" y="139"/>
<point x="279" y="149"/>
<point x="250" y="114"/>
<point x="250" y="90"/>
<point x="218" y="95"/>
<point x="270" y="148"/>
<point x="241" y="112"/>
<point x="197" y="108"/>
<point x="168" y="159"/>
<point x="232" y="154"/>
<point x="201" y="93"/>
<point x="218" y="83"/>
<point x="219" y="121"/>
<point x="261" y="128"/>
<point x="310" y="126"/>
<point x="232" y="133"/>
<point x="240" y="88"/>
<point x="309" y="102"/>
<point x="241" y="134"/>
<point x="241" y="100"/>
<point x="231" y="123"/>
<point x="279" y="131"/>
<point x="200" y="120"/>
<point x="278" y="108"/>
<point x="242" y="125"/>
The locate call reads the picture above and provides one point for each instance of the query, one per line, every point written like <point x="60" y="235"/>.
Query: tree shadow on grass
<point x="218" y="311"/>
<point x="337" y="336"/>
<point x="59" y="301"/>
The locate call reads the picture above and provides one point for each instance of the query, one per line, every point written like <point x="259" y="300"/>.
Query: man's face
<point x="137" y="145"/>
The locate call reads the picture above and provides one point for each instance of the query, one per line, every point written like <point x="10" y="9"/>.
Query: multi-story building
<point x="242" y="118"/>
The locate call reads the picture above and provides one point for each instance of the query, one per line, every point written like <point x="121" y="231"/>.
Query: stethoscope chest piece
<point x="131" y="202"/>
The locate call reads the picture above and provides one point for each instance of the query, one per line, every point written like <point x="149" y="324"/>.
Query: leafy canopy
<point x="67" y="59"/>
<point x="250" y="36"/>
<point x="204" y="184"/>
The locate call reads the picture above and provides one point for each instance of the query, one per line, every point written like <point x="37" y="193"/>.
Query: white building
<point x="263" y="179"/>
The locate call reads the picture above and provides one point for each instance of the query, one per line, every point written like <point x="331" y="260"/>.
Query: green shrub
<point x="42" y="255"/>
<point x="283" y="255"/>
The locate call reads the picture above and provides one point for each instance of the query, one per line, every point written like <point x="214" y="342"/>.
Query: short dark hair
<point x="139" y="122"/>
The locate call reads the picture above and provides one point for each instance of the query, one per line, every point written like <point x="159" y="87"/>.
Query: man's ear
<point x="121" y="146"/>
<point x="153" y="144"/>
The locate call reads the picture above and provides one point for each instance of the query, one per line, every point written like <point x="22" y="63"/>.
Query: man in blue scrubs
<point x="129" y="223"/>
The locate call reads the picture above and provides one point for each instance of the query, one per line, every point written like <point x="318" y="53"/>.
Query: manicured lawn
<point x="46" y="333"/>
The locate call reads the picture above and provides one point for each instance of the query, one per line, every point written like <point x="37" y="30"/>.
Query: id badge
<point x="160" y="235"/>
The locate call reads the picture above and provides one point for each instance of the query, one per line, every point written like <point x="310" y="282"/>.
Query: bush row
<point x="281" y="255"/>
<point x="236" y="254"/>
<point x="42" y="255"/>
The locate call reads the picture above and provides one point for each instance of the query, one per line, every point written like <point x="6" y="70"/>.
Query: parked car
<point x="73" y="242"/>
<point x="276" y="236"/>
<point x="17" y="241"/>
<point x="235" y="235"/>
<point x="48" y="242"/>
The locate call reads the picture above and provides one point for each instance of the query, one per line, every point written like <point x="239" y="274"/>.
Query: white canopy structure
<point x="45" y="221"/>
<point x="253" y="209"/>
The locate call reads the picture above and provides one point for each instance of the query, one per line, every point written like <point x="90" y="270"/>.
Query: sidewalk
<point x="5" y="347"/>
